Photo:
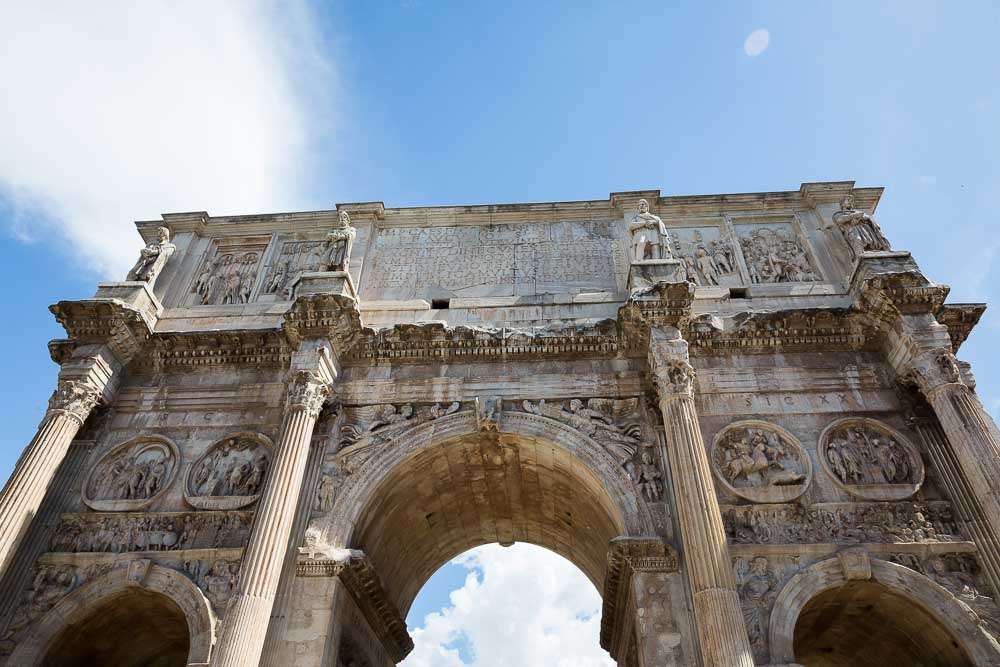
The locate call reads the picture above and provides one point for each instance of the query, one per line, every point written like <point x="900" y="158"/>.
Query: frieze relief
<point x="869" y="460"/>
<point x="295" y="258"/>
<point x="230" y="474"/>
<point x="132" y="475"/>
<point x="842" y="523"/>
<point x="172" y="531"/>
<point x="760" y="462"/>
<point x="774" y="254"/>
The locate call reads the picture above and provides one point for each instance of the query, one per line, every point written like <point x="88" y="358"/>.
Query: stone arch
<point x="933" y="600"/>
<point x="608" y="485"/>
<point x="126" y="578"/>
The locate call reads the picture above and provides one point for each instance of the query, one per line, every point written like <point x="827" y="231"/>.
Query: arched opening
<point x="481" y="489"/>
<point x="863" y="623"/>
<point x="517" y="605"/>
<point x="447" y="486"/>
<point x="133" y="628"/>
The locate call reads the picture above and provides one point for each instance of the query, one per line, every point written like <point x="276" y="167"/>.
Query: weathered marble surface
<point x="275" y="444"/>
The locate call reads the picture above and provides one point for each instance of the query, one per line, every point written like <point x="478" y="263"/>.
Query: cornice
<point x="960" y="318"/>
<point x="112" y="322"/>
<point x="435" y="341"/>
<point x="214" y="348"/>
<point x="792" y="330"/>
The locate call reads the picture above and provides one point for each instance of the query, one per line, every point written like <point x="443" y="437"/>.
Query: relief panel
<point x="132" y="475"/>
<point x="870" y="460"/>
<point x="760" y="462"/>
<point x="230" y="474"/>
<point x="228" y="274"/>
<point x="775" y="253"/>
<point x="708" y="255"/>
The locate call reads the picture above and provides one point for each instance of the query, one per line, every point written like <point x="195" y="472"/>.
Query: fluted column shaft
<point x="24" y="491"/>
<point x="971" y="432"/>
<point x="718" y="616"/>
<point x="249" y="610"/>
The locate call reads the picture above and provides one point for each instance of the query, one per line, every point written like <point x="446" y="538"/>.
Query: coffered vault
<point x="740" y="415"/>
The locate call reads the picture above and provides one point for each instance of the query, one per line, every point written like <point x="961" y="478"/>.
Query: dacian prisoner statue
<point x="650" y="239"/>
<point x="152" y="258"/>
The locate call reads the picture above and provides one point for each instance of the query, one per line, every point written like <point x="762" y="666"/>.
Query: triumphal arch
<point x="741" y="416"/>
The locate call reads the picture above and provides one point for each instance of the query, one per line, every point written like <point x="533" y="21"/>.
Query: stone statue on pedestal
<point x="649" y="235"/>
<point x="859" y="228"/>
<point x="337" y="254"/>
<point x="152" y="258"/>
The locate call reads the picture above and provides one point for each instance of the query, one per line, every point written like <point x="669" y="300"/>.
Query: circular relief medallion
<point x="869" y="460"/>
<point x="760" y="462"/>
<point x="230" y="474"/>
<point x="132" y="475"/>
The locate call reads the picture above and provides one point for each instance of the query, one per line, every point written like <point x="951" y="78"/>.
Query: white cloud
<point x="117" y="111"/>
<point x="520" y="605"/>
<point x="757" y="42"/>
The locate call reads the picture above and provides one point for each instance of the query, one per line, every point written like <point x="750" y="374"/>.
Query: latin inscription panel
<point x="496" y="260"/>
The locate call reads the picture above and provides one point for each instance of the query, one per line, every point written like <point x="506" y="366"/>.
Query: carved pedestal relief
<point x="132" y="475"/>
<point x="230" y="474"/>
<point x="760" y="462"/>
<point x="870" y="460"/>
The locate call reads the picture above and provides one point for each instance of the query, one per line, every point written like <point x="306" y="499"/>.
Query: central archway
<point x="446" y="487"/>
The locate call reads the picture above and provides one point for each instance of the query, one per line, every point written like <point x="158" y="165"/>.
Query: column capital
<point x="306" y="390"/>
<point x="74" y="398"/>
<point x="668" y="361"/>
<point x="932" y="370"/>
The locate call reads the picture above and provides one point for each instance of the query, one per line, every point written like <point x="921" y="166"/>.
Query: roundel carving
<point x="230" y="473"/>
<point x="132" y="475"/>
<point x="869" y="460"/>
<point x="760" y="462"/>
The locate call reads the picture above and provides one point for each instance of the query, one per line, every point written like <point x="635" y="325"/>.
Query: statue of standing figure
<point x="649" y="235"/>
<point x="337" y="255"/>
<point x="152" y="258"/>
<point x="860" y="229"/>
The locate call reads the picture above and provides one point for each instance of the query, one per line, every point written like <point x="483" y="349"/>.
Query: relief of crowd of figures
<point x="227" y="278"/>
<point x="123" y="533"/>
<point x="842" y="523"/>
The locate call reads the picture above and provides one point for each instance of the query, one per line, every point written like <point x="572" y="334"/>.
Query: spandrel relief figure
<point x="230" y="474"/>
<point x="372" y="426"/>
<point x="339" y="242"/>
<point x="753" y="457"/>
<point x="598" y="419"/>
<point x="650" y="239"/>
<point x="757" y="593"/>
<point x="774" y="255"/>
<point x="648" y="476"/>
<point x="152" y="258"/>
<point x="859" y="228"/>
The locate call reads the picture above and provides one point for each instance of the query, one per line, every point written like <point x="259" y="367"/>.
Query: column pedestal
<point x="718" y="616"/>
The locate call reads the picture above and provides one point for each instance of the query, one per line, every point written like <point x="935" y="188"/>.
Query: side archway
<point x="954" y="622"/>
<point x="135" y="581"/>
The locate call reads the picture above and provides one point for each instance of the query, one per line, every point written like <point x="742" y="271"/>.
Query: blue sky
<point x="133" y="110"/>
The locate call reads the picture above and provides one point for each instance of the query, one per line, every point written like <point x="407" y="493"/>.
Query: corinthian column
<point x="69" y="406"/>
<point x="971" y="432"/>
<point x="249" y="610"/>
<point x="718" y="616"/>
